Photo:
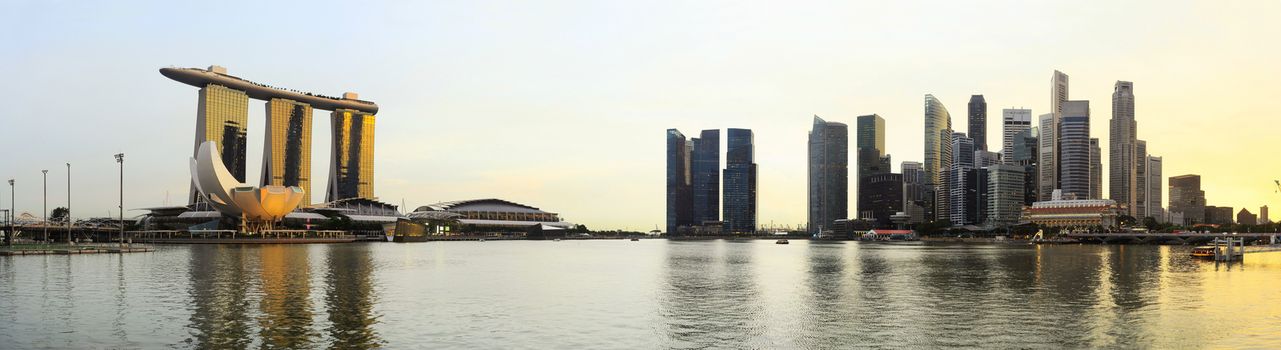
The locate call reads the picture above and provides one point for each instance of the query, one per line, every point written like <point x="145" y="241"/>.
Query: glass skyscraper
<point x="1075" y="150"/>
<point x="1123" y="155"/>
<point x="705" y="176"/>
<point x="938" y="156"/>
<point x="679" y="207"/>
<point x="222" y="117"/>
<point x="740" y="182"/>
<point x="828" y="174"/>
<point x="978" y="121"/>
<point x="286" y="157"/>
<point x="352" y="157"/>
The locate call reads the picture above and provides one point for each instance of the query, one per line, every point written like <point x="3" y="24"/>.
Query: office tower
<point x="983" y="159"/>
<point x="1005" y="194"/>
<point x="1074" y="149"/>
<point x="1015" y="121"/>
<point x="1216" y="215"/>
<point x="1152" y="196"/>
<point x="978" y="121"/>
<point x="1263" y="215"/>
<point x="968" y="187"/>
<point x="829" y="173"/>
<point x="938" y="156"/>
<point x="1187" y="200"/>
<point x="870" y="150"/>
<point x="1096" y="170"/>
<point x="1025" y="156"/>
<point x="705" y="176"/>
<point x="739" y="205"/>
<point x="962" y="149"/>
<point x="916" y="192"/>
<point x="1123" y="155"/>
<point x="1244" y="217"/>
<point x="1047" y="170"/>
<point x="871" y="146"/>
<point x="222" y="116"/>
<point x="351" y="173"/>
<point x="680" y="211"/>
<point x="1140" y="180"/>
<point x="1058" y="92"/>
<point x="884" y="197"/>
<point x="286" y="159"/>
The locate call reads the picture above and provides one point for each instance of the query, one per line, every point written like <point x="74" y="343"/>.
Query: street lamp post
<point x="68" y="203"/>
<point x="44" y="208"/>
<point x="120" y="158"/>
<point x="8" y="240"/>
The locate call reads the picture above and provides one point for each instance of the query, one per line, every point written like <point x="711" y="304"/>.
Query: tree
<point x="1151" y="224"/>
<point x="1126" y="220"/>
<point x="59" y="214"/>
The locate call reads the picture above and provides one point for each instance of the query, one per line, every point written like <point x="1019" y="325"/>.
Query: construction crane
<point x="1278" y="185"/>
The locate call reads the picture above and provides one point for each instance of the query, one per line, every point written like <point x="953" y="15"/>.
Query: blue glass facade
<point x="679" y="206"/>
<point x="705" y="176"/>
<point x="740" y="182"/>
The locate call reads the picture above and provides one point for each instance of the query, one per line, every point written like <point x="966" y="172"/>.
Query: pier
<point x="1169" y="238"/>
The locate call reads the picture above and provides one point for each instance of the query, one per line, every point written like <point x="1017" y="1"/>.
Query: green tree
<point x="1151" y="224"/>
<point x="58" y="214"/>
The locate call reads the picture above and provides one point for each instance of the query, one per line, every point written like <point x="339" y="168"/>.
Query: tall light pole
<point x="68" y="203"/>
<point x="120" y="158"/>
<point x="44" y="208"/>
<point x="12" y="214"/>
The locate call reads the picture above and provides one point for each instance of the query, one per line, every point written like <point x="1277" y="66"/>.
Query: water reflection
<point x="220" y="285"/>
<point x="710" y="297"/>
<point x="286" y="318"/>
<point x="349" y="297"/>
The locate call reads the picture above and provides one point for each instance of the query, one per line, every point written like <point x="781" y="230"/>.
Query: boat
<point x="781" y="241"/>
<point x="1203" y="251"/>
<point x="482" y="240"/>
<point x="635" y="239"/>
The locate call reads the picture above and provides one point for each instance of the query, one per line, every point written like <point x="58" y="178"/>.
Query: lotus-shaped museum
<point x="258" y="207"/>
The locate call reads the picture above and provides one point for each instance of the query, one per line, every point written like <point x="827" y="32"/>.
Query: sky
<point x="563" y="105"/>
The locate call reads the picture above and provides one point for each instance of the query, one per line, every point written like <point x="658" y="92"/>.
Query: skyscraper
<point x="705" y="176"/>
<point x="1051" y="146"/>
<point x="884" y="197"/>
<point x="1048" y="176"/>
<point x="1074" y="148"/>
<point x="1123" y="156"/>
<point x="1140" y="180"/>
<point x="871" y="145"/>
<point x="222" y="116"/>
<point x="1153" y="180"/>
<point x="680" y="211"/>
<point x="829" y="173"/>
<point x="938" y="156"/>
<point x="916" y="195"/>
<point x="1025" y="156"/>
<point x="1005" y="194"/>
<point x="1263" y="215"/>
<point x="286" y="152"/>
<point x="1015" y="121"/>
<point x="1096" y="169"/>
<point x="978" y="121"/>
<point x="739" y="205"/>
<point x="1244" y="217"/>
<point x="351" y="170"/>
<point x="1187" y="200"/>
<point x="962" y="182"/>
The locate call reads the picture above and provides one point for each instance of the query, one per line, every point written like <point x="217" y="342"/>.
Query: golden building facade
<point x="286" y="157"/>
<point x="351" y="173"/>
<point x="222" y="116"/>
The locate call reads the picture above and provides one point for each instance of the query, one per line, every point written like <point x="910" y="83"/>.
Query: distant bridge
<point x="1177" y="238"/>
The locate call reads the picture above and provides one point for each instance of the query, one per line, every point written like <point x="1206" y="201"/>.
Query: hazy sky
<point x="563" y="105"/>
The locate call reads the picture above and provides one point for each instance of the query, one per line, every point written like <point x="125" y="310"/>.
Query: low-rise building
<point x="1058" y="212"/>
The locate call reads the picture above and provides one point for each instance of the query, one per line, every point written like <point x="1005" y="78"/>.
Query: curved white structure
<point x="258" y="207"/>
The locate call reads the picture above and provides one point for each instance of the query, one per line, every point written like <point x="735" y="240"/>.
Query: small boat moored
<point x="781" y="241"/>
<point x="1203" y="251"/>
<point x="635" y="239"/>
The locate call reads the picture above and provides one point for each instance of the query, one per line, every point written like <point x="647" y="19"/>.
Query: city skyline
<point x="446" y="90"/>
